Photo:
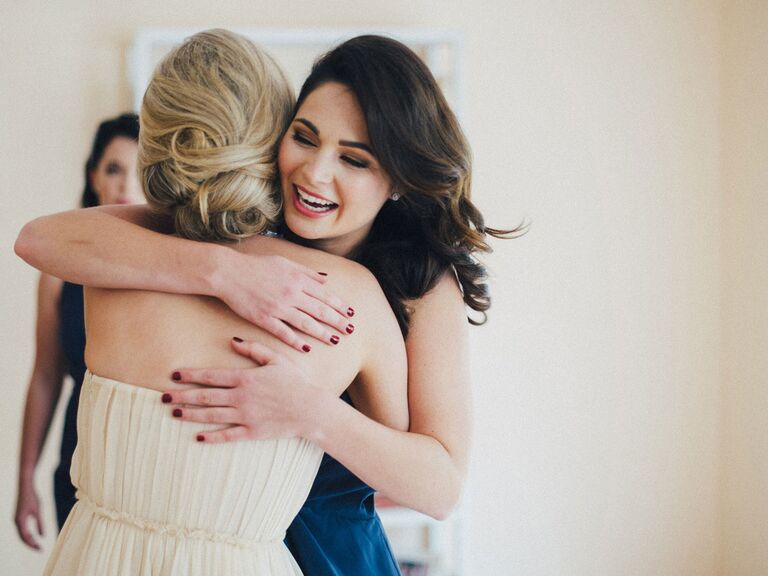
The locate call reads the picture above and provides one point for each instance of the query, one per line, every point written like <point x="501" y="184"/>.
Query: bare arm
<point x="121" y="247"/>
<point x="425" y="467"/>
<point x="42" y="395"/>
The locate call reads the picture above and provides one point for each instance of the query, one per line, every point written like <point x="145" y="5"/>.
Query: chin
<point x="302" y="228"/>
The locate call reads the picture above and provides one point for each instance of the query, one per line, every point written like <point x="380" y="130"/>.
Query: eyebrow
<point x="348" y="143"/>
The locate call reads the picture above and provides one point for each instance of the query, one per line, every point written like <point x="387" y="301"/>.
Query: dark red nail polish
<point x="306" y="347"/>
<point x="350" y="312"/>
<point x="166" y="398"/>
<point x="200" y="438"/>
<point x="334" y="339"/>
<point x="323" y="273"/>
<point x="177" y="413"/>
<point x="176" y="376"/>
<point x="236" y="339"/>
<point x="350" y="328"/>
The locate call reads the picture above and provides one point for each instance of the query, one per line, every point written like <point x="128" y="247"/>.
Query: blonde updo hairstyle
<point x="211" y="121"/>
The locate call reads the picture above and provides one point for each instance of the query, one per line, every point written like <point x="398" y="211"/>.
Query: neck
<point x="335" y="246"/>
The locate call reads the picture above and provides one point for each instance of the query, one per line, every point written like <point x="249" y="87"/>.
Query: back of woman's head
<point x="417" y="139"/>
<point x="123" y="126"/>
<point x="211" y="120"/>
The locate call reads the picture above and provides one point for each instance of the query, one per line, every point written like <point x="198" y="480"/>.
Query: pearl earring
<point x="395" y="197"/>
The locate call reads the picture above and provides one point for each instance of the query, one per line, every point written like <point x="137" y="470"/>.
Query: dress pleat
<point x="152" y="501"/>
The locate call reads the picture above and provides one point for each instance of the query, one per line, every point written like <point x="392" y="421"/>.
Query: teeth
<point x="314" y="204"/>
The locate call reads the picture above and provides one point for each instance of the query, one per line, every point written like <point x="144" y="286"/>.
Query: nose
<point x="319" y="168"/>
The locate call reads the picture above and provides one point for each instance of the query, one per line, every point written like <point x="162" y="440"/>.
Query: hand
<point x="280" y="296"/>
<point x="272" y="400"/>
<point x="28" y="508"/>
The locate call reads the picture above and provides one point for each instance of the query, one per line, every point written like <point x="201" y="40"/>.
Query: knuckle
<point x="322" y="314"/>
<point x="269" y="303"/>
<point x="289" y="290"/>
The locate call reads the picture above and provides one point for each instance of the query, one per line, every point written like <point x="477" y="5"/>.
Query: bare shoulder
<point x="443" y="300"/>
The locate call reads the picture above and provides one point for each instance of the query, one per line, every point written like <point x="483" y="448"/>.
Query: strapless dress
<point x="151" y="500"/>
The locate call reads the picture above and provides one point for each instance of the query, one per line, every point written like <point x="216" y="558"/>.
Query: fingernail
<point x="176" y="376"/>
<point x="200" y="438"/>
<point x="350" y="312"/>
<point x="350" y="328"/>
<point x="323" y="273"/>
<point x="236" y="339"/>
<point x="306" y="347"/>
<point x="166" y="398"/>
<point x="334" y="339"/>
<point x="177" y="413"/>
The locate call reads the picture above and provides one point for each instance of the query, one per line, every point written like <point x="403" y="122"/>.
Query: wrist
<point x="26" y="477"/>
<point x="219" y="263"/>
<point x="318" y="415"/>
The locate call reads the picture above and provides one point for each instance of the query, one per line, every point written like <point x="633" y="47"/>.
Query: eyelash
<point x="354" y="162"/>
<point x="302" y="140"/>
<point x="113" y="169"/>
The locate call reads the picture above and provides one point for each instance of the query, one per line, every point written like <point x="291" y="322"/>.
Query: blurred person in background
<point x="110" y="178"/>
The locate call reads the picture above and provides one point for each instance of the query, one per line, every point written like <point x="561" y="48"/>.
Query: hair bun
<point x="211" y="121"/>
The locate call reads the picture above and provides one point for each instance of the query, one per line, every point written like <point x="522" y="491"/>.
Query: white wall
<point x="597" y="377"/>
<point x="745" y="289"/>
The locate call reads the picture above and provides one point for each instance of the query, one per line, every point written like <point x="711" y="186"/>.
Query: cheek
<point x="368" y="205"/>
<point x="286" y="161"/>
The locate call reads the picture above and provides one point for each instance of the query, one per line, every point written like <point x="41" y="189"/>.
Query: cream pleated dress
<point x="154" y="501"/>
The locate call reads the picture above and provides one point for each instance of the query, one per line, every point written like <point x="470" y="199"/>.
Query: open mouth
<point x="307" y="202"/>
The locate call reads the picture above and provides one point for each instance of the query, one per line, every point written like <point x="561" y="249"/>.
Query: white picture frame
<point x="296" y="49"/>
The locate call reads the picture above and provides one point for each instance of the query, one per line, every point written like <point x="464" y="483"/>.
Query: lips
<point x="311" y="204"/>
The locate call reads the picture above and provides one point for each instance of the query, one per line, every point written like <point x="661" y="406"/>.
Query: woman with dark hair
<point x="110" y="178"/>
<point x="374" y="167"/>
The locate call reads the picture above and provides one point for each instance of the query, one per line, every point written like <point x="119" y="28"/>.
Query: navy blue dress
<point x="72" y="338"/>
<point x="337" y="532"/>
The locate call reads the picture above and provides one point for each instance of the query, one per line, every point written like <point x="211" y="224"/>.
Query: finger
<point x="284" y="333"/>
<point x="320" y="293"/>
<point x="308" y="325"/>
<point x="39" y="522"/>
<point x="228" y="434"/>
<point x="218" y="377"/>
<point x="325" y="315"/>
<point x="200" y="397"/>
<point x="207" y="415"/>
<point x="314" y="275"/>
<point x="257" y="352"/>
<point x="24" y="534"/>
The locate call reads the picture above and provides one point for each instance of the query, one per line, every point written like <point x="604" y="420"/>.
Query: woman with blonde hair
<point x="152" y="497"/>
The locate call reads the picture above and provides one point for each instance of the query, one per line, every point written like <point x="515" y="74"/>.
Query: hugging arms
<point x="423" y="468"/>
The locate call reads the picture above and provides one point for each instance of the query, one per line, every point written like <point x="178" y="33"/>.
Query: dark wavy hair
<point x="125" y="125"/>
<point x="433" y="228"/>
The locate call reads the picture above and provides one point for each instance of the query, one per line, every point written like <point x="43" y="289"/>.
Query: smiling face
<point x="333" y="186"/>
<point x="115" y="178"/>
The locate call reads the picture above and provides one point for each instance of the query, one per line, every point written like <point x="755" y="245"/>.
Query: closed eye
<point x="355" y="162"/>
<point x="301" y="138"/>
